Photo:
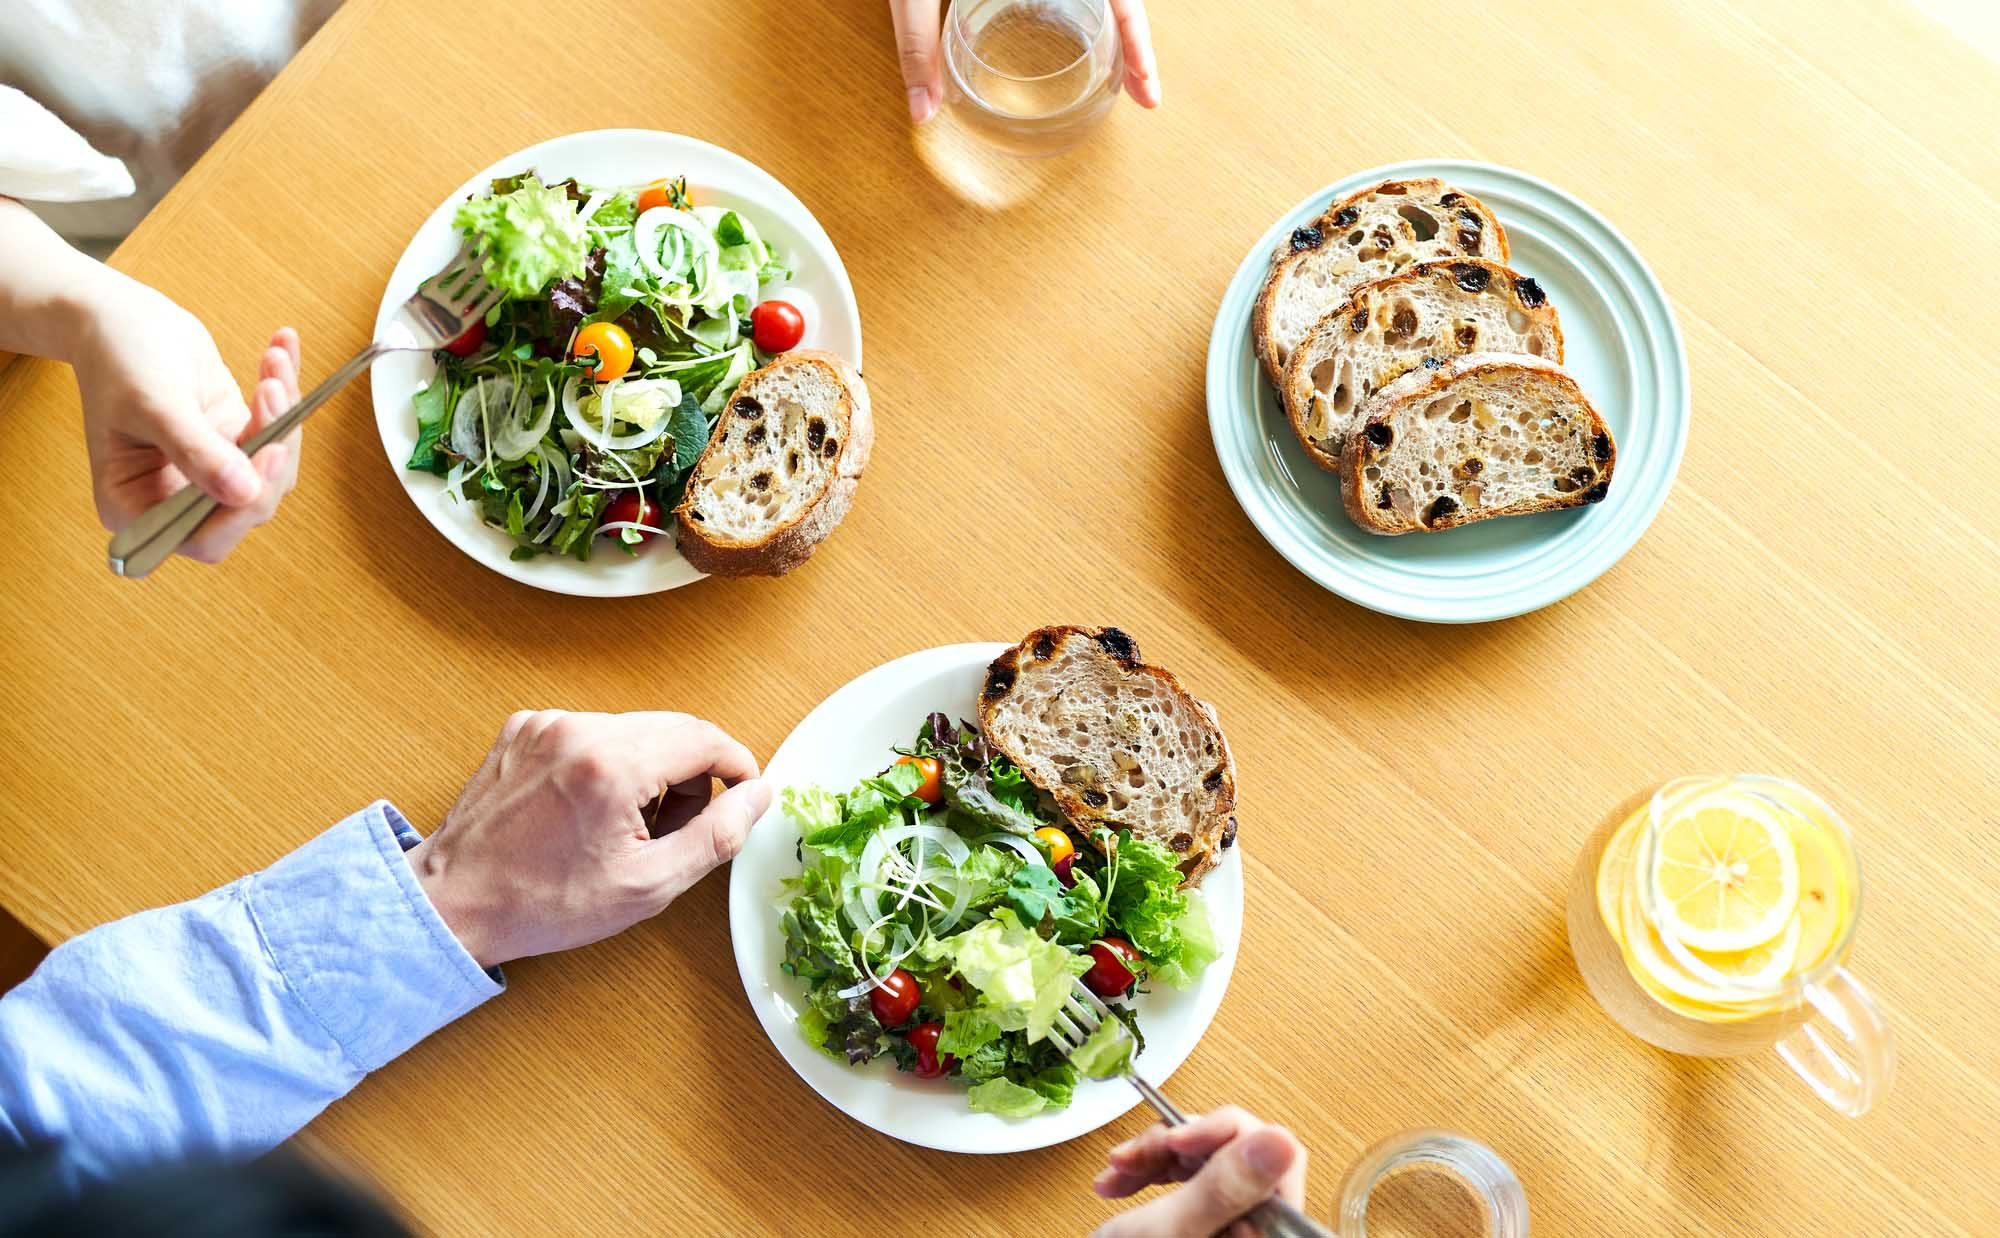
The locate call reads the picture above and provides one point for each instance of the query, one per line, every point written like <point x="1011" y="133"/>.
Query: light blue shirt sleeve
<point x="220" y="1026"/>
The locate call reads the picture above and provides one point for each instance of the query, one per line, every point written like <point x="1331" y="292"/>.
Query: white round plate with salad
<point x="940" y="893"/>
<point x="642" y="272"/>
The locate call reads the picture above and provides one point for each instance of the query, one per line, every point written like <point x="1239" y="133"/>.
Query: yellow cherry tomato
<point x="663" y="192"/>
<point x="931" y="789"/>
<point x="1058" y="843"/>
<point x="610" y="344"/>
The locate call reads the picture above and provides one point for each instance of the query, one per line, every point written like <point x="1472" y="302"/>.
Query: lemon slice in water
<point x="1725" y="875"/>
<point x="1825" y="902"/>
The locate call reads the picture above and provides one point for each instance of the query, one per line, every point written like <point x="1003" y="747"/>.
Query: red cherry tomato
<point x="468" y="343"/>
<point x="923" y="1038"/>
<point x="1066" y="870"/>
<point x="896" y="998"/>
<point x="777" y="326"/>
<point x="931" y="789"/>
<point x="632" y="507"/>
<point x="1113" y="968"/>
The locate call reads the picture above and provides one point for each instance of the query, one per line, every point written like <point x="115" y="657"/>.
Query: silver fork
<point x="442" y="309"/>
<point x="1079" y="1017"/>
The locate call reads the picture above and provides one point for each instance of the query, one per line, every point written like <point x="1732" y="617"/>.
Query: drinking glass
<point x="1822" y="1021"/>
<point x="1431" y="1184"/>
<point x="1033" y="77"/>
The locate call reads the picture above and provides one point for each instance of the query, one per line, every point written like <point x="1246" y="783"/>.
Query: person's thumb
<point x="708" y="841"/>
<point x="919" y="27"/>
<point x="205" y="456"/>
<point x="1234" y="1181"/>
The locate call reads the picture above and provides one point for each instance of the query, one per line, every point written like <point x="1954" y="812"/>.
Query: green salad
<point x="576" y="409"/>
<point x="943" y="915"/>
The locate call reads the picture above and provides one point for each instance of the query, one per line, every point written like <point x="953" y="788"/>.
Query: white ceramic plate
<point x="845" y="739"/>
<point x="604" y="157"/>
<point x="1619" y="340"/>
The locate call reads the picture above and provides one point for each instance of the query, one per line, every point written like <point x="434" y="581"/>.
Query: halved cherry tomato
<point x="931" y="789"/>
<point x="468" y="342"/>
<point x="777" y="326"/>
<point x="659" y="193"/>
<point x="1113" y="967"/>
<point x="1059" y="846"/>
<point x="632" y="507"/>
<point x="923" y="1038"/>
<point x="896" y="998"/>
<point x="609" y="343"/>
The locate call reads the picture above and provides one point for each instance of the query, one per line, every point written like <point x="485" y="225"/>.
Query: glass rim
<point x="1471" y="1163"/>
<point x="955" y="28"/>
<point x="1676" y="790"/>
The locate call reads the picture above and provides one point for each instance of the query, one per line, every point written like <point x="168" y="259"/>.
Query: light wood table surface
<point x="1815" y="185"/>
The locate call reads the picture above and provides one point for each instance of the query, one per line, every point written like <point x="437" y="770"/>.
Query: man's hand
<point x="558" y="840"/>
<point x="1230" y="1161"/>
<point x="161" y="410"/>
<point x="919" y="35"/>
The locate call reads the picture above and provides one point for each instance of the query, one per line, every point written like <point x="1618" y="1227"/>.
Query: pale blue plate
<point x="1619" y="340"/>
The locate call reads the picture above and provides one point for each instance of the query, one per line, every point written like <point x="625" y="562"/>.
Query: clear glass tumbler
<point x="1032" y="77"/>
<point x="1431" y="1184"/>
<point x="1717" y="920"/>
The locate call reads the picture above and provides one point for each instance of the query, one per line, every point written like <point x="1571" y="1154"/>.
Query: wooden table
<point x="1815" y="185"/>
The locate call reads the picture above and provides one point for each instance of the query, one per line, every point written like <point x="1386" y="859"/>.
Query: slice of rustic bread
<point x="1429" y="313"/>
<point x="1368" y="235"/>
<point x="781" y="468"/>
<point x="1113" y="742"/>
<point x="1483" y="435"/>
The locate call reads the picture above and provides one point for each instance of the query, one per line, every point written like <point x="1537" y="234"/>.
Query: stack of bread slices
<point x="1422" y="369"/>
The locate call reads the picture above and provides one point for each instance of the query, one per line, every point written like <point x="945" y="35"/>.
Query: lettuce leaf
<point x="433" y="413"/>
<point x="1106" y="1052"/>
<point x="1022" y="980"/>
<point x="1198" y="947"/>
<point x="528" y="238"/>
<point x="1005" y="1098"/>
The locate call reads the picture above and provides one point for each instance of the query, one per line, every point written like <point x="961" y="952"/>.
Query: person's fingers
<point x="203" y="454"/>
<point x="1170" y="1153"/>
<point x="1142" y="72"/>
<point x="1236" y="1179"/>
<point x="919" y="27"/>
<point x="678" y="805"/>
<point x="287" y="338"/>
<point x="277" y="464"/>
<point x="672" y="863"/>
<point x="672" y="748"/>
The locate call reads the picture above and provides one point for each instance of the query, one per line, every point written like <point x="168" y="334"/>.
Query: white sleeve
<point x="44" y="160"/>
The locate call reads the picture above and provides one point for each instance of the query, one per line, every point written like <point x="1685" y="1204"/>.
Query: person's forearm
<point x="218" y="1027"/>
<point x="47" y="288"/>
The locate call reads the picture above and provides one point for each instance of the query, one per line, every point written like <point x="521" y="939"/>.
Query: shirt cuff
<point x="353" y="934"/>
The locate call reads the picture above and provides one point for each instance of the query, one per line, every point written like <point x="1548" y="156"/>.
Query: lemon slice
<point x="1825" y="903"/>
<point x="1713" y="999"/>
<point x="1725" y="875"/>
<point x="1614" y="873"/>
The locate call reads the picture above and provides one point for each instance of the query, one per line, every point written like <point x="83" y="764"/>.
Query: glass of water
<point x="1032" y="77"/>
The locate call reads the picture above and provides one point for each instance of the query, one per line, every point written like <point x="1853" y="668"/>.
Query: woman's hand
<point x="558" y="840"/>
<point x="1230" y="1161"/>
<point x="160" y="410"/>
<point x="919" y="34"/>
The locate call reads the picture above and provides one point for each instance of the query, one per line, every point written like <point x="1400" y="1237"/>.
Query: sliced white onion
<point x="475" y="410"/>
<point x="514" y="440"/>
<point x="592" y="203"/>
<point x="542" y="472"/>
<point x="614" y="526"/>
<point x="1014" y="842"/>
<point x="560" y="463"/>
<point x="596" y="436"/>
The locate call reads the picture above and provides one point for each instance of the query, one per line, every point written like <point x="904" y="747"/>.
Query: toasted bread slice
<point x="1483" y="435"/>
<point x="780" y="470"/>
<point x="1431" y="312"/>
<point x="1113" y="742"/>
<point x="1368" y="235"/>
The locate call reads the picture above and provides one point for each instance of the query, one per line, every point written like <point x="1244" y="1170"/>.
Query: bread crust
<point x="1420" y="387"/>
<point x="1218" y="821"/>
<point x="1285" y="257"/>
<point x="793" y="542"/>
<point x="1295" y="389"/>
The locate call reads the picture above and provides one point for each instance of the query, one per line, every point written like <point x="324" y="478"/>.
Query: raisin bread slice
<point x="780" y="470"/>
<point x="1368" y="235"/>
<point x="1432" y="312"/>
<point x="1113" y="742"/>
<point x="1483" y="435"/>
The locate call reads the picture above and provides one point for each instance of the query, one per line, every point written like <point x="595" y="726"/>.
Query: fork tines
<point x="1079" y="1017"/>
